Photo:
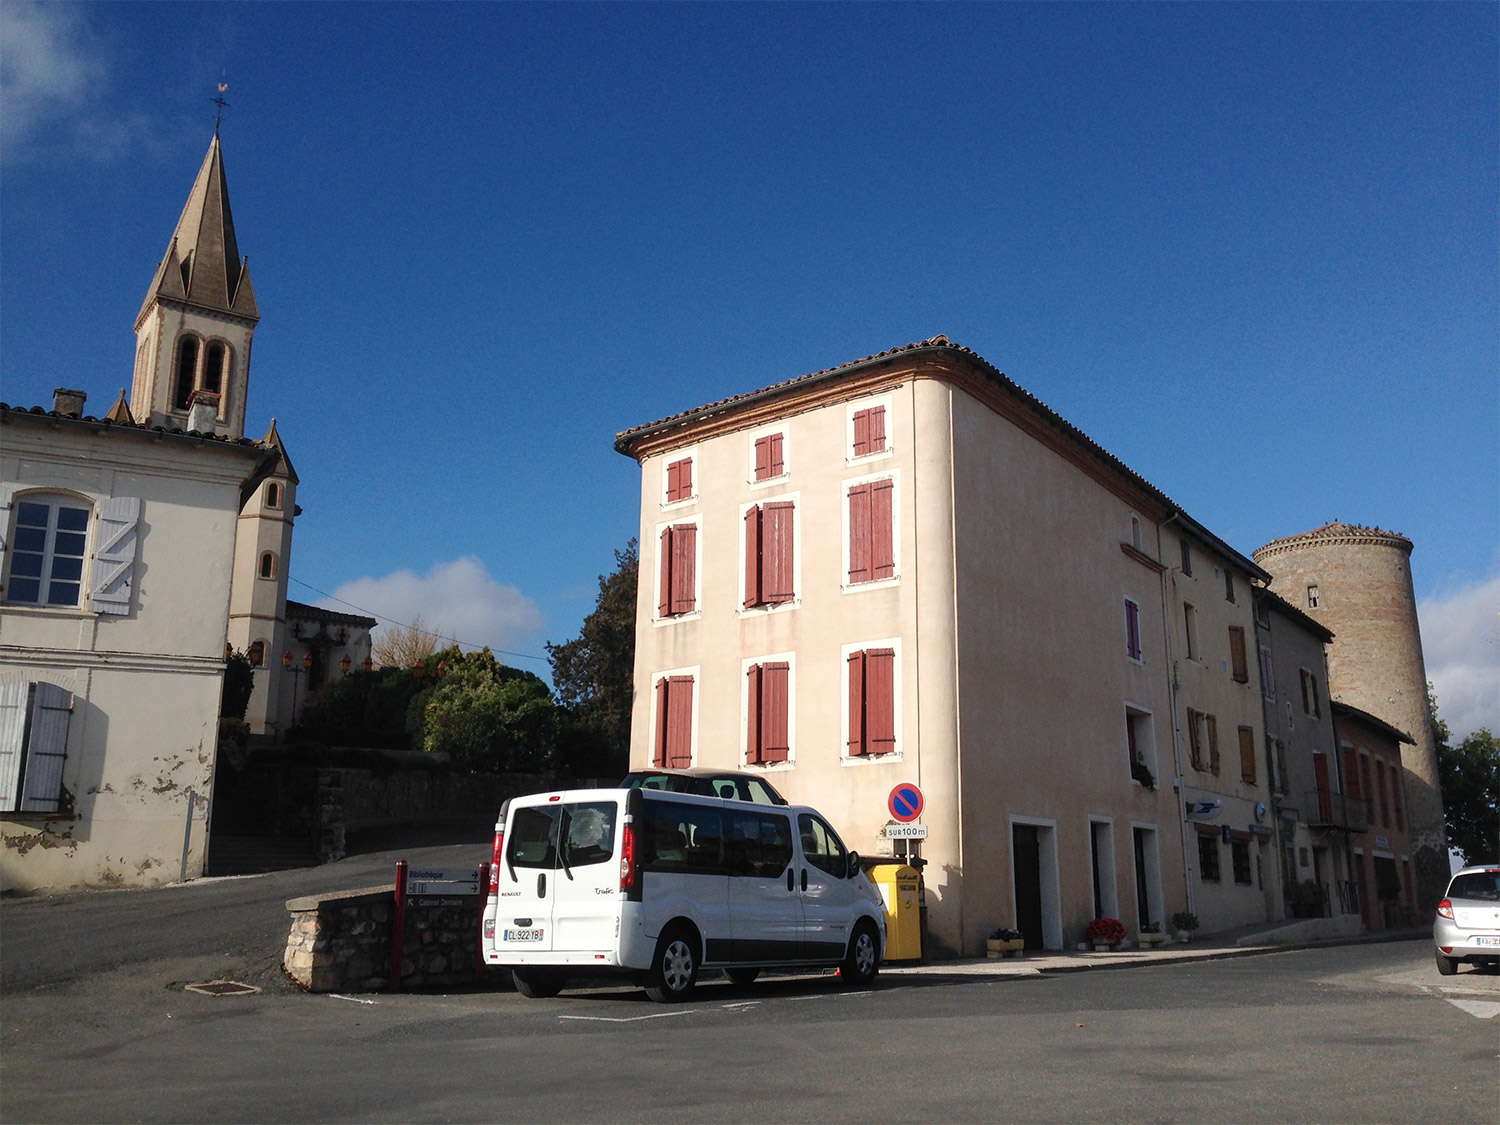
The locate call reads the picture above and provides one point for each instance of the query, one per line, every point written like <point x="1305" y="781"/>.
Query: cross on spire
<point x="221" y="103"/>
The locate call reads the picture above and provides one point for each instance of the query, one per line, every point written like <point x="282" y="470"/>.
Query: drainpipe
<point x="1166" y="621"/>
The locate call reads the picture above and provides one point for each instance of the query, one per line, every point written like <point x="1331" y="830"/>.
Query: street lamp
<point x="286" y="662"/>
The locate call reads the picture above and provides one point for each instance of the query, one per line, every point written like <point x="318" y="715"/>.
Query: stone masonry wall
<point x="342" y="942"/>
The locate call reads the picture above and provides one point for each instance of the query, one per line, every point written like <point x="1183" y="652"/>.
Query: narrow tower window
<point x="268" y="565"/>
<point x="214" y="368"/>
<point x="1312" y="597"/>
<point x="187" y="372"/>
<point x="273" y="495"/>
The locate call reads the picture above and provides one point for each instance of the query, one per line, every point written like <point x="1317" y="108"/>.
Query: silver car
<point x="1467" y="926"/>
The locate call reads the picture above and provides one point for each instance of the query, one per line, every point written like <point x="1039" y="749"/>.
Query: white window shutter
<point x="114" y="554"/>
<point x="6" y="493"/>
<point x="12" y="735"/>
<point x="50" y="710"/>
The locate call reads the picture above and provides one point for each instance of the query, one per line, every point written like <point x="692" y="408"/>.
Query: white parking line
<point x="1479" y="1009"/>
<point x="351" y="999"/>
<point x="632" y="1019"/>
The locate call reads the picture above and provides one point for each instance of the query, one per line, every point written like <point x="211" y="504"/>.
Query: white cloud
<point x="46" y="67"/>
<point x="458" y="599"/>
<point x="1461" y="648"/>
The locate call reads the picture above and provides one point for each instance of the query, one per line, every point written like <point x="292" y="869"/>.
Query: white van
<point x="663" y="885"/>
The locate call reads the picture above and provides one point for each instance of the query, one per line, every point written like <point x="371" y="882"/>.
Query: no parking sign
<point x="905" y="803"/>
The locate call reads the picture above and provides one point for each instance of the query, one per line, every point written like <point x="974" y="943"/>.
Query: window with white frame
<point x="677" y="480"/>
<point x="1133" y="629"/>
<point x="34" y="718"/>
<point x="1140" y="744"/>
<point x="1190" y="630"/>
<point x="677" y="569"/>
<point x="674" y="720"/>
<point x="768" y="456"/>
<point x="870" y="530"/>
<point x="872" y="700"/>
<point x="46" y="538"/>
<point x="867" y="429"/>
<point x="768" y="706"/>
<point x="770" y="560"/>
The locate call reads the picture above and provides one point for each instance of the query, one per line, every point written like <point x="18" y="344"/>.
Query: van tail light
<point x="628" y="873"/>
<point x="1445" y="909"/>
<point x="495" y="858"/>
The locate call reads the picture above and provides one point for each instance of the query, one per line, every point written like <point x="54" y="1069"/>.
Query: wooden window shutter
<point x="1320" y="777"/>
<point x="13" y="699"/>
<point x="753" y="753"/>
<point x="46" y="748"/>
<point x="768" y="456"/>
<point x="1237" y="662"/>
<point x="1132" y="630"/>
<point x="680" y="479"/>
<point x="1195" y="737"/>
<point x="659" y="758"/>
<point x="114" y="554"/>
<point x="776" y="552"/>
<point x="861" y="567"/>
<point x="882" y="531"/>
<point x="856" y="664"/>
<point x="1212" y="723"/>
<point x="861" y="432"/>
<point x="679" y="747"/>
<point x="774" y="697"/>
<point x="752" y="556"/>
<point x="880" y="700"/>
<point x="684" y="568"/>
<point x="7" y="495"/>
<point x="1247" y="754"/>
<point x="664" y="597"/>
<point x="877" y="429"/>
<point x="1351" y="773"/>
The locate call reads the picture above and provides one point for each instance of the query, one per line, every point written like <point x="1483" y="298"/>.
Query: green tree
<point x="487" y="717"/>
<point x="239" y="685"/>
<point x="1469" y="774"/>
<point x="593" y="675"/>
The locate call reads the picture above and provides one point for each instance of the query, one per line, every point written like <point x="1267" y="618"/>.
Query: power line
<point x="404" y="625"/>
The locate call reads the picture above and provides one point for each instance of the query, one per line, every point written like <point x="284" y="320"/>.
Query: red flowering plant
<point x="1105" y="930"/>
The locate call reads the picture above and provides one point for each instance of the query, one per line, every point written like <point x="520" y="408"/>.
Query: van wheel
<point x="742" y="977"/>
<point x="1447" y="966"/>
<point x="534" y="984"/>
<point x="674" y="968"/>
<point x="862" y="961"/>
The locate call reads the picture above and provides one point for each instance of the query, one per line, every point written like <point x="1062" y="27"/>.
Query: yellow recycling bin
<point x="899" y="889"/>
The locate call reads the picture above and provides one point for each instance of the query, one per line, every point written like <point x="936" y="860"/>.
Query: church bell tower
<point x="192" y="357"/>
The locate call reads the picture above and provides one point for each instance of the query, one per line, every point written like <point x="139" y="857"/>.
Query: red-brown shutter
<point x="877" y="428"/>
<point x="1247" y="754"/>
<point x="860" y="565"/>
<point x="773" y="712"/>
<point x="1320" y="776"/>
<point x="752" y="556"/>
<point x="861" y="432"/>
<point x="882" y="533"/>
<point x="680" y="479"/>
<point x="679" y="748"/>
<point x="664" y="598"/>
<point x="1351" y="773"/>
<point x="856" y="745"/>
<point x="1239" y="666"/>
<point x="1213" y="744"/>
<point x="659" y="751"/>
<point x="1132" y="630"/>
<point x="880" y="700"/>
<point x="684" y="567"/>
<point x="776" y="552"/>
<point x="752" y="715"/>
<point x="769" y="461"/>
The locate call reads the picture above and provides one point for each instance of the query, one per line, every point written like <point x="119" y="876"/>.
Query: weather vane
<point x="222" y="104"/>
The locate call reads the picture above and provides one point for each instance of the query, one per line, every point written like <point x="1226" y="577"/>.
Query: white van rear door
<point x="586" y="896"/>
<point x="528" y="880"/>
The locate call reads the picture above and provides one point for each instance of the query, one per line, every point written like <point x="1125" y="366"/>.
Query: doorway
<point x="1026" y="852"/>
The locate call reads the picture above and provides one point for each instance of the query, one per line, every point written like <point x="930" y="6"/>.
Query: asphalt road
<point x="95" y="1025"/>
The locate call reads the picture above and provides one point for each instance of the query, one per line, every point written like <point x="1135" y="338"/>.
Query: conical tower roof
<point x="202" y="265"/>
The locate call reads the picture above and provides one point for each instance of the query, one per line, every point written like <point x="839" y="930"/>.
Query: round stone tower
<point x="1357" y="582"/>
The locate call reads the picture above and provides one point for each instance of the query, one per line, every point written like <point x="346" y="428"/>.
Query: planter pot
<point x="1149" y="940"/>
<point x="1102" y="947"/>
<point x="994" y="947"/>
<point x="1183" y="936"/>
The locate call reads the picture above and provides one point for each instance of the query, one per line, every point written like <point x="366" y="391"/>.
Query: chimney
<point x="203" y="412"/>
<point x="68" y="402"/>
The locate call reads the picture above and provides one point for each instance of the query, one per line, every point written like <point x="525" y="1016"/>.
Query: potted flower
<point x="1104" y="933"/>
<point x="1151" y="935"/>
<point x="1004" y="943"/>
<point x="1184" y="922"/>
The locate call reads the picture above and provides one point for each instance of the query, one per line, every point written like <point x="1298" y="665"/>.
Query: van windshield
<point x="590" y="835"/>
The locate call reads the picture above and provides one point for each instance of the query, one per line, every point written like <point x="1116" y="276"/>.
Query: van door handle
<point x="789" y="884"/>
<point x="541" y="884"/>
<point x="804" y="878"/>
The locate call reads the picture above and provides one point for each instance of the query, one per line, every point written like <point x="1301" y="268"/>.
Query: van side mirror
<point x="853" y="866"/>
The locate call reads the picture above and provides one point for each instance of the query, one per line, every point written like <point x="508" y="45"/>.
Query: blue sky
<point x="1250" y="249"/>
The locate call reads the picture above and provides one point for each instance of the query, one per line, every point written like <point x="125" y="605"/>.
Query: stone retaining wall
<point x="342" y="942"/>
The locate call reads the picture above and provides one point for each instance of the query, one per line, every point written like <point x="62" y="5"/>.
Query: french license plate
<point x="1487" y="941"/>
<point x="524" y="935"/>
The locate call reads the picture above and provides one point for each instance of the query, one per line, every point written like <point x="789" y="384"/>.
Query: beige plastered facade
<point x="1015" y="547"/>
<point x="145" y="683"/>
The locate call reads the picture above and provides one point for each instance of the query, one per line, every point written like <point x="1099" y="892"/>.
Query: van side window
<point x="759" y="845"/>
<point x="533" y="838"/>
<point x="591" y="832"/>
<point x="684" y="838"/>
<point x="822" y="846"/>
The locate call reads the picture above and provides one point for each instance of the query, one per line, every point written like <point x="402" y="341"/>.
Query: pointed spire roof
<point x="202" y="264"/>
<point x="119" y="413"/>
<point x="272" y="440"/>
